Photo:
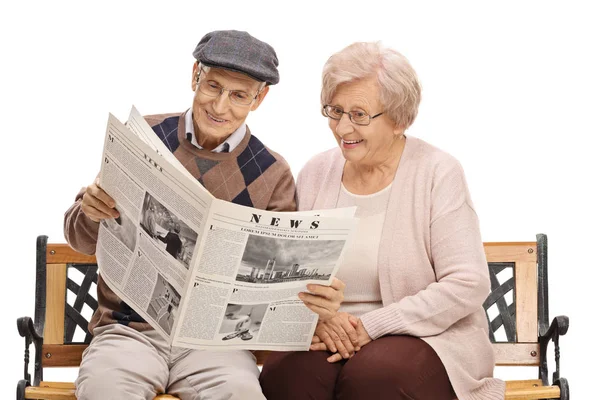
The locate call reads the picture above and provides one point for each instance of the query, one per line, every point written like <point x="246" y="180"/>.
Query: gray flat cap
<point x="239" y="52"/>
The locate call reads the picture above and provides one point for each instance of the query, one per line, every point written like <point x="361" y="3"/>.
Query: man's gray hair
<point x="206" y="69"/>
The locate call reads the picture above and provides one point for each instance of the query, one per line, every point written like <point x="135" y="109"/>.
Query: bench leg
<point x="21" y="389"/>
<point x="563" y="384"/>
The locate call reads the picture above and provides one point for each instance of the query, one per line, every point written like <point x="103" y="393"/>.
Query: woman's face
<point x="371" y="144"/>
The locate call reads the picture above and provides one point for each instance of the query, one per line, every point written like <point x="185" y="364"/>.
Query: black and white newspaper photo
<point x="276" y="260"/>
<point x="123" y="229"/>
<point x="163" y="304"/>
<point x="241" y="322"/>
<point x="167" y="231"/>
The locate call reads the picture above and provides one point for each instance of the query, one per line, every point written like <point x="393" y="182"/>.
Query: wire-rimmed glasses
<point x="357" y="116"/>
<point x="214" y="89"/>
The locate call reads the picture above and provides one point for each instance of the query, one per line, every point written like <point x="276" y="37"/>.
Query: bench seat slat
<point x="50" y="393"/>
<point x="530" y="390"/>
<point x="65" y="391"/>
<point x="515" y="390"/>
<point x="528" y="383"/>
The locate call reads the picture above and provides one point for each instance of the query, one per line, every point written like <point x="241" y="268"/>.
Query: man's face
<point x="215" y="118"/>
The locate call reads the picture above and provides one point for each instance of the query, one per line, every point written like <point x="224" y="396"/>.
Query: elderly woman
<point x="412" y="324"/>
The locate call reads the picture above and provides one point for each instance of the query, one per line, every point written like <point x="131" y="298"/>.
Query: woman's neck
<point x="360" y="178"/>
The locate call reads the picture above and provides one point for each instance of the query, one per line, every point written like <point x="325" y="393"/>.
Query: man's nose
<point x="220" y="102"/>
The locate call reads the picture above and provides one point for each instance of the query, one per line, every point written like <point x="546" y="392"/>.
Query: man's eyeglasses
<point x="358" y="116"/>
<point x="213" y="89"/>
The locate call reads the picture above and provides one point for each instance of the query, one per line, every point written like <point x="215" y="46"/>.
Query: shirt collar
<point x="226" y="147"/>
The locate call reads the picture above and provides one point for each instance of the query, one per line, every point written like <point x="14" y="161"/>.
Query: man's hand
<point x="337" y="335"/>
<point x="362" y="335"/>
<point x="324" y="300"/>
<point x="97" y="204"/>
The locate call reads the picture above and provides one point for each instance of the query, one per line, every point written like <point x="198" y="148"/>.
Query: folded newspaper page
<point x="207" y="273"/>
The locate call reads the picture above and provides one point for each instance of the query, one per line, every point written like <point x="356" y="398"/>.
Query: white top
<point x="359" y="266"/>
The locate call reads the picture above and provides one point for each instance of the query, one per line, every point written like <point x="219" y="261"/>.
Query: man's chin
<point x="212" y="135"/>
<point x="215" y="132"/>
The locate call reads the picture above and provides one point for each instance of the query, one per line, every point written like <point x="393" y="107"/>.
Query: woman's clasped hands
<point x="343" y="335"/>
<point x="339" y="332"/>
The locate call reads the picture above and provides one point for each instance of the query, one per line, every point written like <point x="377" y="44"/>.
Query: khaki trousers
<point x="122" y="363"/>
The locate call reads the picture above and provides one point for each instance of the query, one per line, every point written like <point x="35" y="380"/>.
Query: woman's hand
<point x="337" y="335"/>
<point x="324" y="300"/>
<point x="97" y="204"/>
<point x="362" y="335"/>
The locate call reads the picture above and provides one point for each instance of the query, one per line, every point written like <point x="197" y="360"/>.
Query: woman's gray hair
<point x="400" y="91"/>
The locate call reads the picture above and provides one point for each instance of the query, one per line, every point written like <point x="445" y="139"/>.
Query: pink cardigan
<point x="433" y="273"/>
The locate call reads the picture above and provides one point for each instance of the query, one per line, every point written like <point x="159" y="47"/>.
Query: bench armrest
<point x="558" y="327"/>
<point x="27" y="330"/>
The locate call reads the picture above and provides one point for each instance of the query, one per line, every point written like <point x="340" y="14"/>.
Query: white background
<point x="509" y="88"/>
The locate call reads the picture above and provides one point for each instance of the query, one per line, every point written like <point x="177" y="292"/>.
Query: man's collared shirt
<point x="227" y="146"/>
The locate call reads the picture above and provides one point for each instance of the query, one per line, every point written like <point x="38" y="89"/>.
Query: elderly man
<point x="127" y="359"/>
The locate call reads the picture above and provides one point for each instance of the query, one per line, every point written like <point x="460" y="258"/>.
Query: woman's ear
<point x="399" y="130"/>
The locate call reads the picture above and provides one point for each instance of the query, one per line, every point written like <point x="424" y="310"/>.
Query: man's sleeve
<point x="80" y="231"/>
<point x="284" y="194"/>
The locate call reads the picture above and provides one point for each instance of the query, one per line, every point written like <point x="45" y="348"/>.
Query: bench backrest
<point x="517" y="307"/>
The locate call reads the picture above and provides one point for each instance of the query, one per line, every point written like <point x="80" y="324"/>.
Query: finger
<point x="98" y="198"/>
<point x="324" y="313"/>
<point x="92" y="201"/>
<point x="343" y="343"/>
<point x="101" y="195"/>
<point x="321" y="290"/>
<point x="338" y="336"/>
<point x="335" y="290"/>
<point x="330" y="344"/>
<point x="350" y="331"/>
<point x="93" y="213"/>
<point x="318" y="347"/>
<point x="315" y="339"/>
<point x="326" y="338"/>
<point x="334" y="358"/>
<point x="338" y="284"/>
<point x="319" y="301"/>
<point x="341" y="348"/>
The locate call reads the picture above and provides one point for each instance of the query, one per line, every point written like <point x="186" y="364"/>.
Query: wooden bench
<point x="517" y="310"/>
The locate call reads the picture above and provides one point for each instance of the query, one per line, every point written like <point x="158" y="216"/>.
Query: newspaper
<point x="206" y="273"/>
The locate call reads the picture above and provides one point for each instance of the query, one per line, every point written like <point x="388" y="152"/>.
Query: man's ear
<point x="259" y="98"/>
<point x="195" y="76"/>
